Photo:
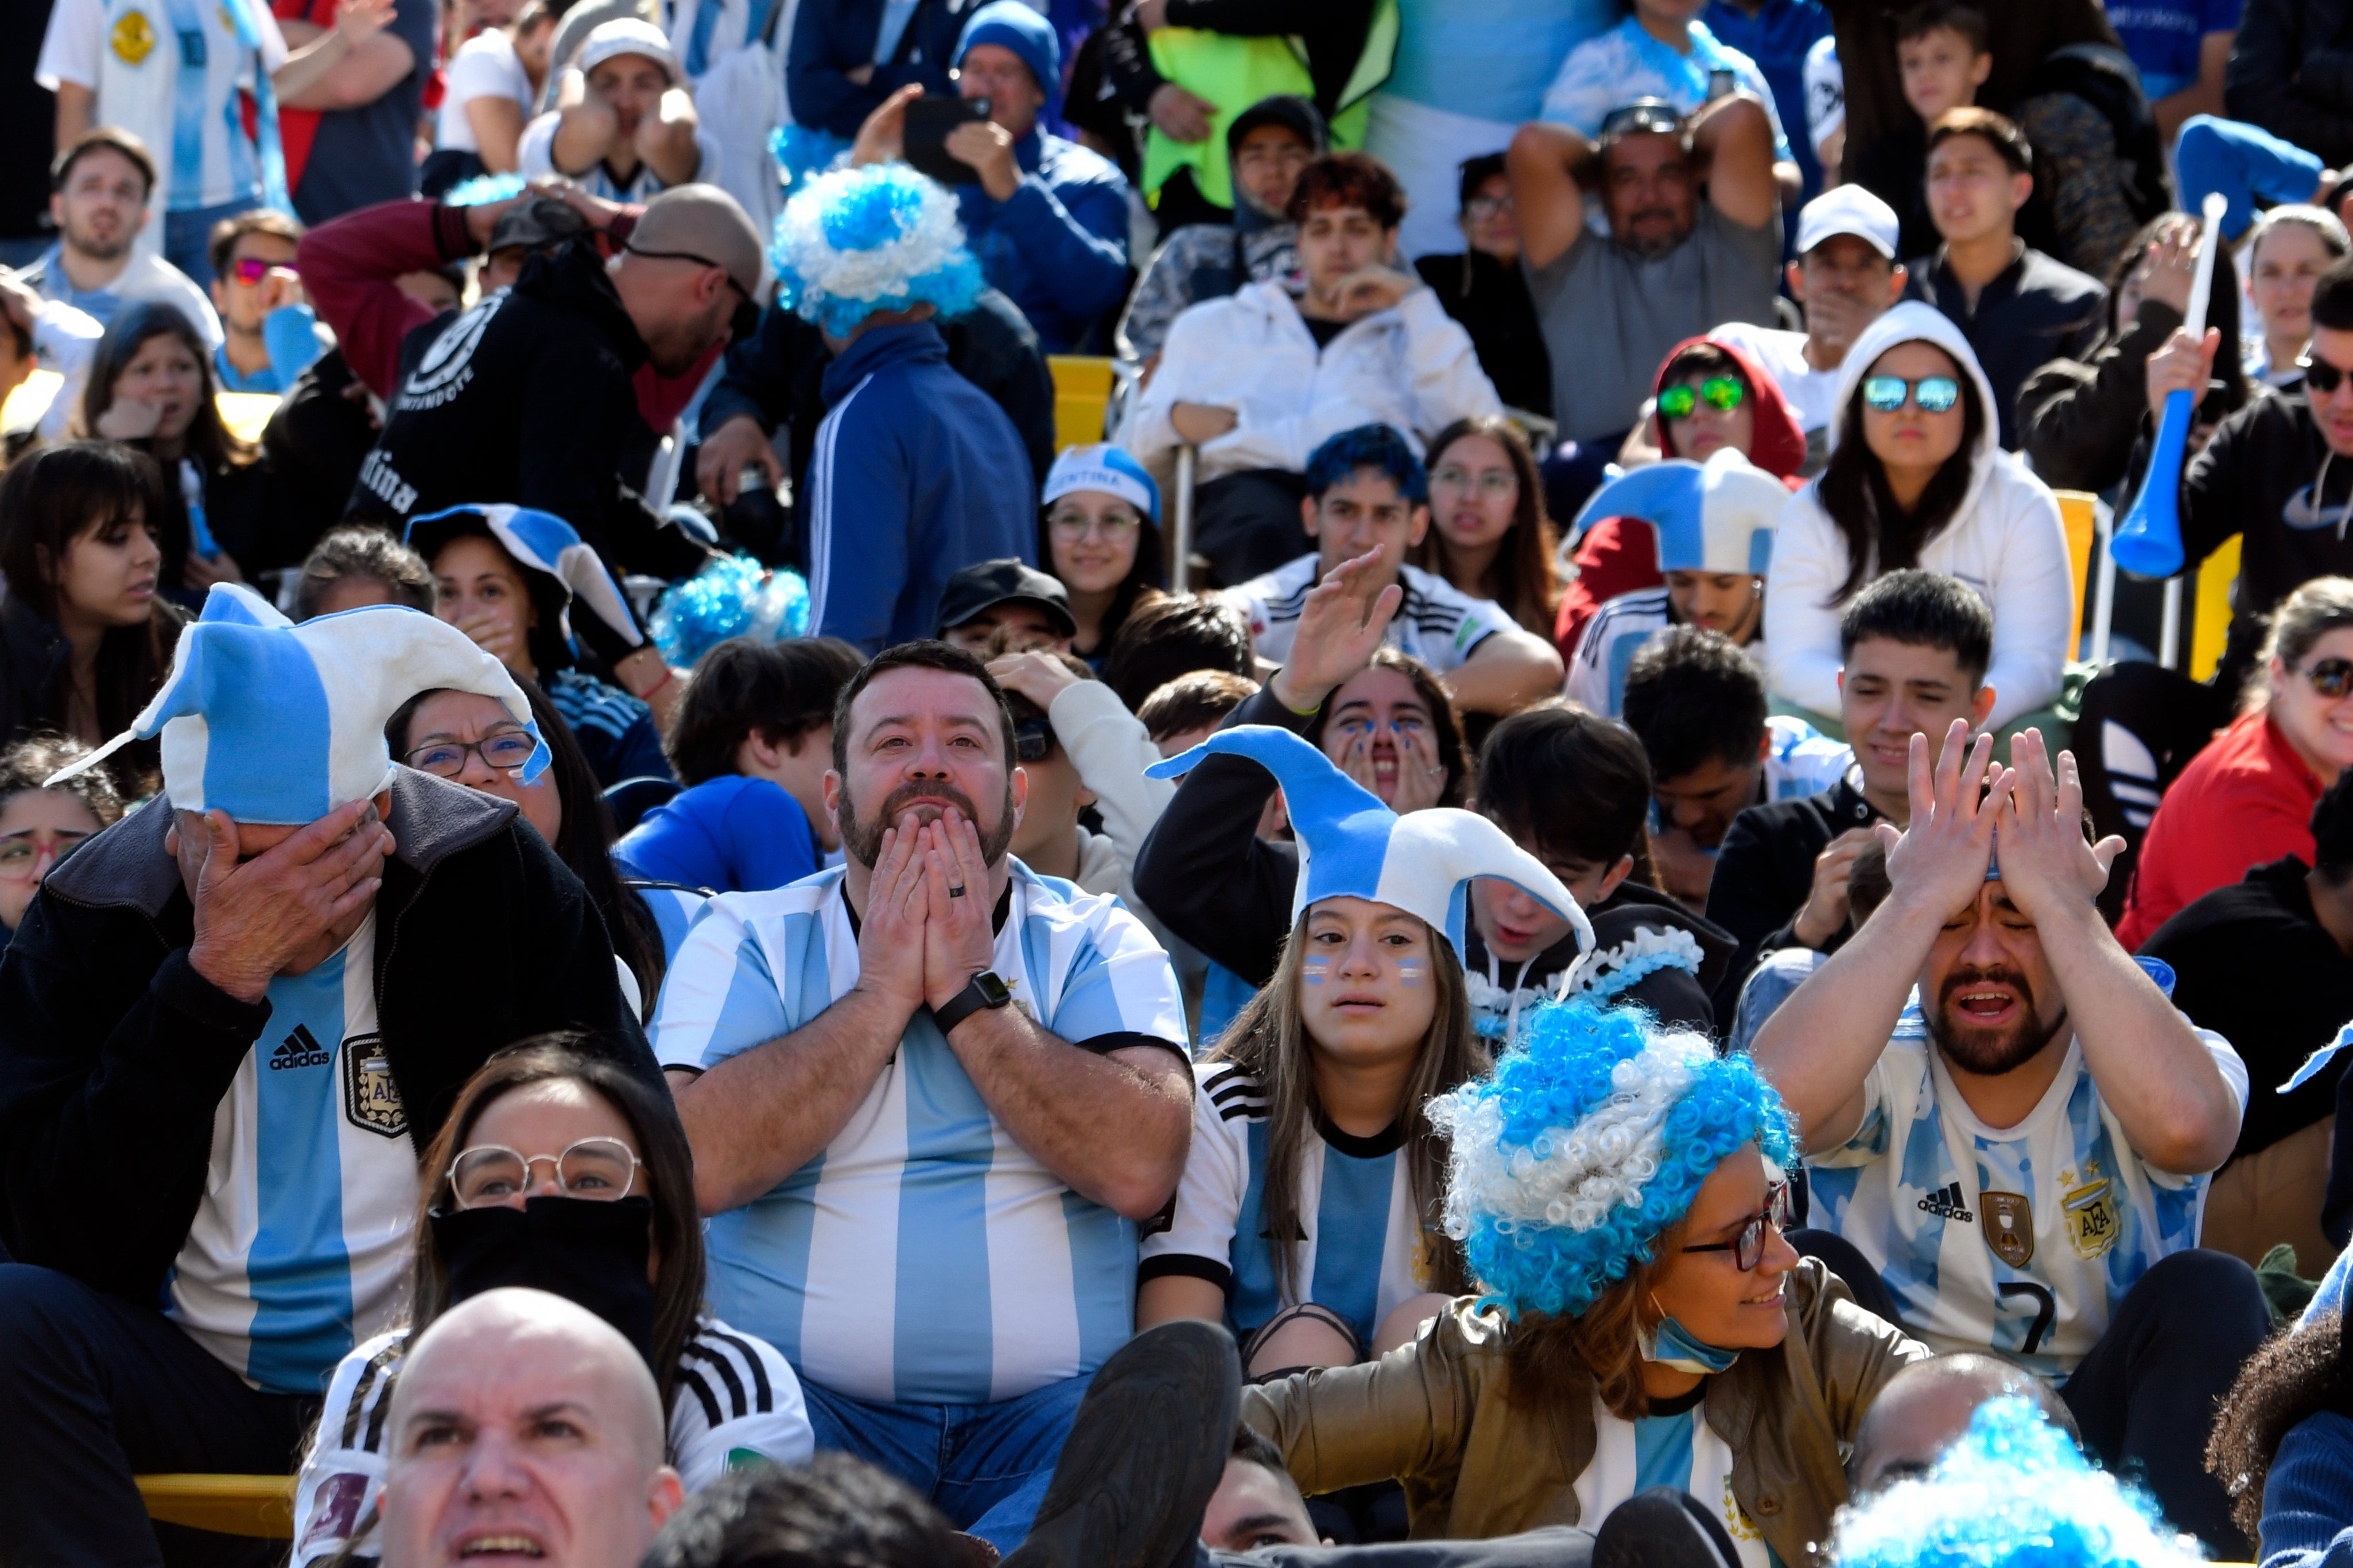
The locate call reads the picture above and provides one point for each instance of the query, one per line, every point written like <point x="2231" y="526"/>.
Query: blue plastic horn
<point x="2148" y="545"/>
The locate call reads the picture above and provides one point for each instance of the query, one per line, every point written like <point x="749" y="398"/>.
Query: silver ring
<point x="956" y="891"/>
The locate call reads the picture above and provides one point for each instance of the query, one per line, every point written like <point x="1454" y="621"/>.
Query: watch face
<point x="992" y="989"/>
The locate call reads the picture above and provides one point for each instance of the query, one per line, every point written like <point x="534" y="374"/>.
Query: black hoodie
<point x="529" y="398"/>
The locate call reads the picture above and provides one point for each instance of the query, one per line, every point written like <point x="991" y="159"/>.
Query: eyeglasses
<point x="2319" y="375"/>
<point x="1071" y="525"/>
<point x="1485" y="209"/>
<point x="746" y="319"/>
<point x="599" y="1169"/>
<point x="1933" y="393"/>
<point x="22" y="855"/>
<point x="2331" y="678"/>
<point x="1033" y="741"/>
<point x="1747" y="1249"/>
<point x="507" y="751"/>
<point x="1721" y="392"/>
<point x="1487" y="482"/>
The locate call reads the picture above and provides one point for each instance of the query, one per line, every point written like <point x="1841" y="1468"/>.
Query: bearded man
<point x="2015" y="1156"/>
<point x="930" y="1094"/>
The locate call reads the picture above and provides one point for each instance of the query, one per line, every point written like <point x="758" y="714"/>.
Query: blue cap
<point x="1011" y="24"/>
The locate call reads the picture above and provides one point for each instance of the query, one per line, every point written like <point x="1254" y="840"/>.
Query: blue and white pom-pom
<point x="733" y="596"/>
<point x="483" y="190"/>
<point x="883" y="237"/>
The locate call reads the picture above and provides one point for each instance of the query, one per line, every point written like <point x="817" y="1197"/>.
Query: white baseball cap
<point x="626" y="35"/>
<point x="1848" y="210"/>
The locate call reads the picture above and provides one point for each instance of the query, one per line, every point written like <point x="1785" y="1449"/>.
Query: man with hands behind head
<point x="931" y="1094"/>
<point x="2015" y="1157"/>
<point x="227" y="1027"/>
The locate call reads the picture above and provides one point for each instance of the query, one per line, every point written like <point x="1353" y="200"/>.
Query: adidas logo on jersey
<point x="299" y="1049"/>
<point x="1945" y="1202"/>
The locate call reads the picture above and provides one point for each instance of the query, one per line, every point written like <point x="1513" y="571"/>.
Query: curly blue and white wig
<point x="2012" y="1493"/>
<point x="882" y="237"/>
<point x="1587" y="1143"/>
<point x="734" y="595"/>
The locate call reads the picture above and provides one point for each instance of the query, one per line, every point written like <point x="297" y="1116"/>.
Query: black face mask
<point x="587" y="1252"/>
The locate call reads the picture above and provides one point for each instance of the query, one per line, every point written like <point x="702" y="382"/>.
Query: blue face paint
<point x="1314" y="970"/>
<point x="1673" y="1345"/>
<point x="1412" y="971"/>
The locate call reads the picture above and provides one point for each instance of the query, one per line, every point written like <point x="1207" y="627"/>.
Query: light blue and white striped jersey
<point x="1680" y="1451"/>
<point x="1361" y="1257"/>
<point x="923" y="1257"/>
<point x="535" y="156"/>
<point x="1626" y="63"/>
<point x="2020" y="1240"/>
<point x="674" y="907"/>
<point x="1619" y="629"/>
<point x="300" y="1244"/>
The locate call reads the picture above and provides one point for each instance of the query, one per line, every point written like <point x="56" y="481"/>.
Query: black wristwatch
<point x="984" y="990"/>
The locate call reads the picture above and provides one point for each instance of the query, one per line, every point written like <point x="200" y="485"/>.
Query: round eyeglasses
<point x="601" y="1170"/>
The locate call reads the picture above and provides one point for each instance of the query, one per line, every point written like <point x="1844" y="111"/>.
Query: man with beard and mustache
<point x="931" y="1095"/>
<point x="100" y="190"/>
<point x="2015" y="1157"/>
<point x="1670" y="266"/>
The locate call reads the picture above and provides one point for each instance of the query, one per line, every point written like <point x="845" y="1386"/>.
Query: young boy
<point x="1940" y="50"/>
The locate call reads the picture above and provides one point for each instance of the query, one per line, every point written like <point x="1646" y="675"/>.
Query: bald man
<point x="1924" y="1409"/>
<point x="524" y="1428"/>
<point x="529" y="397"/>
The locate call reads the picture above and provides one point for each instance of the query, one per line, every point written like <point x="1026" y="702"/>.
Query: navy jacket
<point x="834" y="36"/>
<point x="916" y="474"/>
<point x="1057" y="245"/>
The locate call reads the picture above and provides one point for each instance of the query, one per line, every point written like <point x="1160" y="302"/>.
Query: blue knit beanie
<point x="1013" y="24"/>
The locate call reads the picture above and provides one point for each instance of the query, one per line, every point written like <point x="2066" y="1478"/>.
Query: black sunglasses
<point x="2331" y="678"/>
<point x="746" y="319"/>
<point x="2319" y="375"/>
<point x="1033" y="741"/>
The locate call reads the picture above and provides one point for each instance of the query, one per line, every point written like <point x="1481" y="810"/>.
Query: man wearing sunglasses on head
<point x="2278" y="473"/>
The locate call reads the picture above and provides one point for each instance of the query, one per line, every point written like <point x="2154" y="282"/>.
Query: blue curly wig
<point x="2012" y="1493"/>
<point x="883" y="237"/>
<point x="733" y="597"/>
<point x="1587" y="1143"/>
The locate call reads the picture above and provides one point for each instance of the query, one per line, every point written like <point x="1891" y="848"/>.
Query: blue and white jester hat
<point x="540" y="542"/>
<point x="1716" y="516"/>
<point x="1351" y="845"/>
<point x="275" y="722"/>
<point x="1588" y="1140"/>
<point x="881" y="237"/>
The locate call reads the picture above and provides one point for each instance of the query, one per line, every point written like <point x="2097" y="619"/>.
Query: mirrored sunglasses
<point x="1720" y="390"/>
<point x="1932" y="393"/>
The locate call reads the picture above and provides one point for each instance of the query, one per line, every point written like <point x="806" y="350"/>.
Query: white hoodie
<point x="1410" y="367"/>
<point x="2006" y="541"/>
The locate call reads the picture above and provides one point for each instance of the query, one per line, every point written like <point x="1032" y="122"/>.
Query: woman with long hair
<point x="1307" y="1216"/>
<point x="1392" y="727"/>
<point x="562" y="1172"/>
<point x="1916" y="478"/>
<point x="1098" y="534"/>
<point x="1637" y="1317"/>
<point x="1488" y="533"/>
<point x="85" y="638"/>
<point x="151" y="387"/>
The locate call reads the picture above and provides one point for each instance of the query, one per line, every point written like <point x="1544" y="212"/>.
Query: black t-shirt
<point x="1322" y="330"/>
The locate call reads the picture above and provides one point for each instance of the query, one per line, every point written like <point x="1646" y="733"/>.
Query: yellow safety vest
<point x="1235" y="72"/>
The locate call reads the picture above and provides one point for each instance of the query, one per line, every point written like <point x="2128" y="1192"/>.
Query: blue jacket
<point x="916" y="474"/>
<point x="731" y="835"/>
<point x="1059" y="244"/>
<point x="2308" y="1496"/>
<point x="831" y="37"/>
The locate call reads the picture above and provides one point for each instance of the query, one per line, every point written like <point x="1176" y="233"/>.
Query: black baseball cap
<point x="542" y="220"/>
<point x="988" y="582"/>
<point x="1293" y="113"/>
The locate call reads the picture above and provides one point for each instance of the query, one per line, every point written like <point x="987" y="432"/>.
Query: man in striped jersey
<point x="929" y="1093"/>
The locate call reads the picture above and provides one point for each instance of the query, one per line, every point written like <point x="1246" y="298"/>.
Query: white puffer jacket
<point x="1410" y="367"/>
<point x="2007" y="541"/>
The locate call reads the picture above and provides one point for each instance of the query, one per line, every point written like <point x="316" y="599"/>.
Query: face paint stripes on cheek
<point x="1412" y="971"/>
<point x="1314" y="969"/>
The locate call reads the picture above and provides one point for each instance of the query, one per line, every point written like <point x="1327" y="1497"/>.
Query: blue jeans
<point x="984" y="1465"/>
<point x="187" y="237"/>
<point x="2242" y="163"/>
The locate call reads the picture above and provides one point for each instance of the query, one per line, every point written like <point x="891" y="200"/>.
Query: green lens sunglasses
<point x="1721" y="392"/>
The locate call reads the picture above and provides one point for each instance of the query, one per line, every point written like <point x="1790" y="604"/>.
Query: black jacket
<point x="114" y="1051"/>
<point x="777" y="377"/>
<point x="33" y="656"/>
<point x="2251" y="962"/>
<point x="1212" y="880"/>
<point x="1764" y="873"/>
<point x="1492" y="304"/>
<point x="2039" y="309"/>
<point x="2078" y="420"/>
<point x="528" y="398"/>
<point x="2291" y="72"/>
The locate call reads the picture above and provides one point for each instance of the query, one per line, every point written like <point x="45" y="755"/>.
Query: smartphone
<point x="929" y="120"/>
<point x="1720" y="84"/>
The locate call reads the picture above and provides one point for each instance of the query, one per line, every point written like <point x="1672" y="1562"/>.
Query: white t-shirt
<point x="300" y="1244"/>
<point x="1680" y="1451"/>
<point x="1812" y="394"/>
<point x="484" y="67"/>
<point x="1438" y="623"/>
<point x="536" y="155"/>
<point x="2020" y="1240"/>
<point x="1825" y="81"/>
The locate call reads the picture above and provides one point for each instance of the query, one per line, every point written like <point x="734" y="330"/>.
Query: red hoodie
<point x="1612" y="559"/>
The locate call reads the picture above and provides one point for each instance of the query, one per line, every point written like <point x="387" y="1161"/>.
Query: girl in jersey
<point x="1617" y="1189"/>
<point x="1307" y="1218"/>
<point x="565" y="1172"/>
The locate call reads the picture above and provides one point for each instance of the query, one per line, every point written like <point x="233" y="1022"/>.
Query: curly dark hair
<point x="2299" y="1372"/>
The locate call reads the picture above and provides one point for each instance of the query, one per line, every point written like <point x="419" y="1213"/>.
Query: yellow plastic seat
<point x="260" y="1506"/>
<point x="1082" y="392"/>
<point x="245" y="413"/>
<point x="2079" y="511"/>
<point x="2210" y="616"/>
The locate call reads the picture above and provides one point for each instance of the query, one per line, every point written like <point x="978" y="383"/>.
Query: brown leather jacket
<point x="1434" y="1416"/>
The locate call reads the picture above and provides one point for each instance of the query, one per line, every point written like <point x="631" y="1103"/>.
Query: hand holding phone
<point x="928" y="120"/>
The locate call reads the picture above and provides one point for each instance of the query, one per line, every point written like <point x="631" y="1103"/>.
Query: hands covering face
<point x="927" y="929"/>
